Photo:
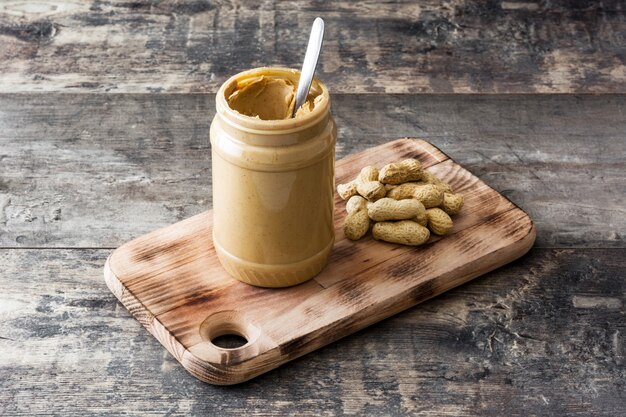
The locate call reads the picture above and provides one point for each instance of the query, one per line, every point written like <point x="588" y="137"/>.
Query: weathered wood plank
<point x="542" y="336"/>
<point x="459" y="46"/>
<point x="96" y="171"/>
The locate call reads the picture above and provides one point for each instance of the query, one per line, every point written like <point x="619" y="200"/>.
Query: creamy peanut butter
<point x="273" y="178"/>
<point x="271" y="98"/>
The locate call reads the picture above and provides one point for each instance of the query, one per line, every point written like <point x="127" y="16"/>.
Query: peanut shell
<point x="356" y="225"/>
<point x="401" y="172"/>
<point x="404" y="232"/>
<point x="452" y="203"/>
<point x="390" y="209"/>
<point x="438" y="221"/>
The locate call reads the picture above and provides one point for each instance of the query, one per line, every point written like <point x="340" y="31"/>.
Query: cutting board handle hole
<point x="229" y="330"/>
<point x="229" y="341"/>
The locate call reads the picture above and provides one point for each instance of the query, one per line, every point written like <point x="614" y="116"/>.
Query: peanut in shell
<point x="438" y="221"/>
<point x="404" y="232"/>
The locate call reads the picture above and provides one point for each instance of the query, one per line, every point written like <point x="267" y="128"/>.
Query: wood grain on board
<point x="171" y="280"/>
<point x="182" y="46"/>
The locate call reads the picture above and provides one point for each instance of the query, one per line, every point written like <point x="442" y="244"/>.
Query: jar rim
<point x="259" y="126"/>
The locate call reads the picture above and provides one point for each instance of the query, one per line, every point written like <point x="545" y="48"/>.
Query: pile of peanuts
<point x="402" y="202"/>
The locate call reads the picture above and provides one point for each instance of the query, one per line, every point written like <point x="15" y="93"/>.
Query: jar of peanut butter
<point x="273" y="178"/>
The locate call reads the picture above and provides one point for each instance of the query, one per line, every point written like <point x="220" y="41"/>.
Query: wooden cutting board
<point x="172" y="282"/>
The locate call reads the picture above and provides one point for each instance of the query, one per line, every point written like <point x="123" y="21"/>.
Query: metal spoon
<point x="310" y="62"/>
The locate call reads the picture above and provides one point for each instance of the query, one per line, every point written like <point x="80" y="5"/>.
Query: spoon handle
<point x="310" y="62"/>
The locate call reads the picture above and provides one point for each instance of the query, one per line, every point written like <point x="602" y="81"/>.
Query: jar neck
<point x="260" y="132"/>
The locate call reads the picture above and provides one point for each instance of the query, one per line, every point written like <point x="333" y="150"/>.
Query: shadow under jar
<point x="273" y="178"/>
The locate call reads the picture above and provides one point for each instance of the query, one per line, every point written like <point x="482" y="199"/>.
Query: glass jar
<point x="273" y="186"/>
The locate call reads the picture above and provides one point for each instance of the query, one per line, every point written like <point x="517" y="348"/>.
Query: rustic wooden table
<point x="104" y="115"/>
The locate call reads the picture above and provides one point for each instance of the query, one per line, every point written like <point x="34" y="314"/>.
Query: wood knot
<point x="40" y="31"/>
